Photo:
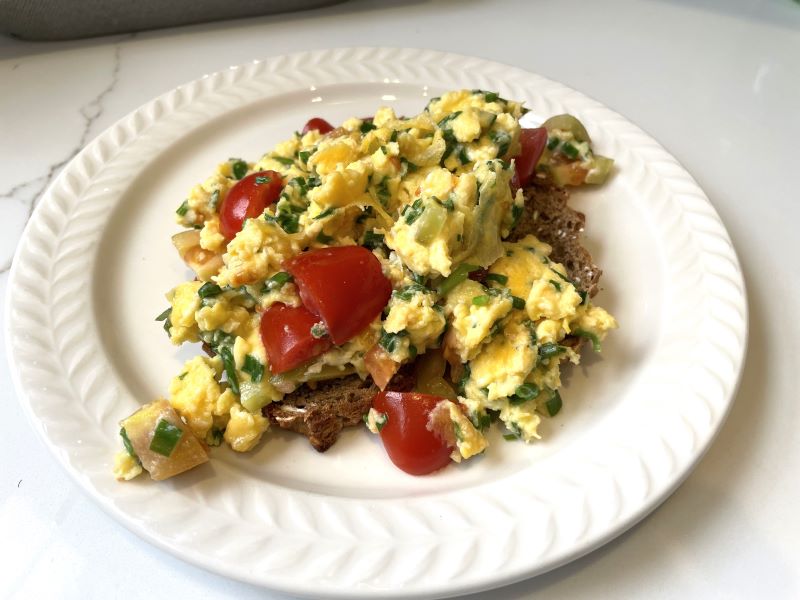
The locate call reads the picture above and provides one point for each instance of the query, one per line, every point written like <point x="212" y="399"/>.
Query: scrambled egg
<point x="430" y="195"/>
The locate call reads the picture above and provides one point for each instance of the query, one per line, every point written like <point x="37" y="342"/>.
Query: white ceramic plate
<point x="96" y="259"/>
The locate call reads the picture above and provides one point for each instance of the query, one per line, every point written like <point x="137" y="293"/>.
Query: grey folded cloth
<point x="71" y="19"/>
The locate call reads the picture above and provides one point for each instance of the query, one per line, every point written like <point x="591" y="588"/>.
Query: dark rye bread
<point x="548" y="217"/>
<point x="322" y="412"/>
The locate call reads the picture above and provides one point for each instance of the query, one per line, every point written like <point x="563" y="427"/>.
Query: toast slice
<point x="320" y="413"/>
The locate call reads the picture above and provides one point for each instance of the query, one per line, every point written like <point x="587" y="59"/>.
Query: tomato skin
<point x="533" y="142"/>
<point x="248" y="199"/>
<point x="411" y="446"/>
<point x="319" y="124"/>
<point x="286" y="334"/>
<point x="344" y="285"/>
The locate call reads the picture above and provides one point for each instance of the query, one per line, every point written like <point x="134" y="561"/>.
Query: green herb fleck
<point x="239" y="168"/>
<point x="209" y="289"/>
<point x="556" y="284"/>
<point x="591" y="336"/>
<point x="323" y="238"/>
<point x="373" y="240"/>
<point x="165" y="437"/>
<point x="482" y="300"/>
<point x="499" y="278"/>
<point x="183" y="208"/>
<point x="553" y="405"/>
<point x="164" y="315"/>
<point x="517" y="302"/>
<point x="230" y="368"/>
<point x="253" y="367"/>
<point x="525" y="392"/>
<point x="128" y="446"/>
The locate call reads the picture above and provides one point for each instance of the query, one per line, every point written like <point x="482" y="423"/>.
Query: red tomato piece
<point x="247" y="200"/>
<point x="533" y="142"/>
<point x="410" y="445"/>
<point x="344" y="285"/>
<point x="286" y="334"/>
<point x="319" y="124"/>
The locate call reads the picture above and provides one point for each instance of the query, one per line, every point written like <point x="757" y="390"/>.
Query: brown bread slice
<point x="322" y="412"/>
<point x="548" y="217"/>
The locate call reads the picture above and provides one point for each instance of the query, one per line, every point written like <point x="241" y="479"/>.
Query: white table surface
<point x="718" y="83"/>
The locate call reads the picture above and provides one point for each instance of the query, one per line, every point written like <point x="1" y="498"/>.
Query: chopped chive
<point x="458" y="275"/>
<point x="482" y="300"/>
<point x="550" y="349"/>
<point x="406" y="293"/>
<point x="584" y="296"/>
<point x="503" y="141"/>
<point x="366" y="127"/>
<point x="304" y="155"/>
<point x="164" y="315"/>
<point x="390" y="341"/>
<point x="318" y="330"/>
<point x="262" y="179"/>
<point x="491" y="96"/>
<point x="552" y="142"/>
<point x="412" y="352"/>
<point x="499" y="278"/>
<point x="517" y="302"/>
<point x="462" y="382"/>
<point x="414" y="211"/>
<point x="373" y="240"/>
<point x="462" y="155"/>
<point x="555" y="284"/>
<point x="525" y="392"/>
<point x="516" y="213"/>
<point x="183" y="208"/>
<point x="127" y="443"/>
<point x="564" y="277"/>
<point x="209" y="289"/>
<point x="325" y="213"/>
<point x="230" y="368"/>
<point x="276" y="281"/>
<point x="239" y="168"/>
<point x="510" y="437"/>
<point x="393" y="137"/>
<point x="553" y="405"/>
<point x="591" y="336"/>
<point x="283" y="160"/>
<point x="322" y="238"/>
<point x="213" y="202"/>
<point x="165" y="437"/>
<point x="253" y="367"/>
<point x="168" y="326"/>
<point x="569" y="150"/>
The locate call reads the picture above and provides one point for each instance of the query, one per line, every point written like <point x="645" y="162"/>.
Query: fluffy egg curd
<point x="356" y="250"/>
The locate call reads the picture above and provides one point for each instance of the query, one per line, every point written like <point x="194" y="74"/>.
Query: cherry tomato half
<point x="533" y="142"/>
<point x="344" y="285"/>
<point x="286" y="334"/>
<point x="248" y="199"/>
<point x="410" y="445"/>
<point x="319" y="124"/>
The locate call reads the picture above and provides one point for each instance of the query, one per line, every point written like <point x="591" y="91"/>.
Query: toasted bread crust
<point x="322" y="412"/>
<point x="550" y="219"/>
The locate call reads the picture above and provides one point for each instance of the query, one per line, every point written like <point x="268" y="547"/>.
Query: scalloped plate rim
<point x="447" y="588"/>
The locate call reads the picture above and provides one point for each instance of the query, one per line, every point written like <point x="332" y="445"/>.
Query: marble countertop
<point x="718" y="84"/>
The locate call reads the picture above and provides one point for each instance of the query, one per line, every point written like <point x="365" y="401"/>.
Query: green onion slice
<point x="209" y="289"/>
<point x="230" y="368"/>
<point x="591" y="336"/>
<point x="165" y="437"/>
<point x="459" y="274"/>
<point x="553" y="405"/>
<point x="253" y="367"/>
<point x="127" y="443"/>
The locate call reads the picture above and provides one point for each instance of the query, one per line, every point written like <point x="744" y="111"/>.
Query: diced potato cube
<point x="140" y="426"/>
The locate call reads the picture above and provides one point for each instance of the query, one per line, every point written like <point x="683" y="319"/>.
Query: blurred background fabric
<point x="47" y="20"/>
